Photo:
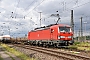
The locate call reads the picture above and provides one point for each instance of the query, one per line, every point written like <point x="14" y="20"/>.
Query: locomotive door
<point x="52" y="34"/>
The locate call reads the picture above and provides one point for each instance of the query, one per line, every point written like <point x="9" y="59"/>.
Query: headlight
<point x="69" y="36"/>
<point x="58" y="37"/>
<point x="62" y="36"/>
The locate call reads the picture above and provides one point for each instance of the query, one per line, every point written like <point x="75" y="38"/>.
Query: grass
<point x="10" y="56"/>
<point x="81" y="46"/>
<point x="1" y="58"/>
<point x="22" y="56"/>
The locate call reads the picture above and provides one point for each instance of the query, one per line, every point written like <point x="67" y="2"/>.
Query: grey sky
<point x="17" y="17"/>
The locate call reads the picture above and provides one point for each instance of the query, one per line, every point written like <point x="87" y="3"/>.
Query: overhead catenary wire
<point x="30" y="4"/>
<point x="7" y="11"/>
<point x="35" y="7"/>
<point x="76" y="7"/>
<point x="72" y="7"/>
<point x="13" y="12"/>
<point x="64" y="4"/>
<point x="64" y="7"/>
<point x="16" y="8"/>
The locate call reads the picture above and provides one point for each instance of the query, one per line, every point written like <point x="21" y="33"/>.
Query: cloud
<point x="26" y="16"/>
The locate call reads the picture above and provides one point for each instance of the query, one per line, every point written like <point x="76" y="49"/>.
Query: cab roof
<point x="52" y="25"/>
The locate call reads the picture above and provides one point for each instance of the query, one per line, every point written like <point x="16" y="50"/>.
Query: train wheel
<point x="57" y="45"/>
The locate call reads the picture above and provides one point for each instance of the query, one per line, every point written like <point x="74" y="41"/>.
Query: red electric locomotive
<point x="53" y="35"/>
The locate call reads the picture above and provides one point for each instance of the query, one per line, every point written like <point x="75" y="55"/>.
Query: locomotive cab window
<point x="64" y="29"/>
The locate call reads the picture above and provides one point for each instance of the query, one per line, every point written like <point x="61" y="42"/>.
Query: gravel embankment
<point x="5" y="55"/>
<point x="42" y="56"/>
<point x="37" y="55"/>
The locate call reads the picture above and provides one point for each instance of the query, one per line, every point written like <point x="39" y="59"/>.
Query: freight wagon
<point x="5" y="38"/>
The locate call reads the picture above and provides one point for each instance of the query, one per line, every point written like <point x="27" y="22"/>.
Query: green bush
<point x="72" y="47"/>
<point x="75" y="43"/>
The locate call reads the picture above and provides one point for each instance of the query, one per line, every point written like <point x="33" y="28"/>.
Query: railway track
<point x="59" y="54"/>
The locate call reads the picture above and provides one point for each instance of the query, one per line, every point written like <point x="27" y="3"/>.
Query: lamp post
<point x="40" y="18"/>
<point x="85" y="28"/>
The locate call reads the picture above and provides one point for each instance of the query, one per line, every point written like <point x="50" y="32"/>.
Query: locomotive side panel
<point x="39" y="35"/>
<point x="32" y="35"/>
<point x="45" y="34"/>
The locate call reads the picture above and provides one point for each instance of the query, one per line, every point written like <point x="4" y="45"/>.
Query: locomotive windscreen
<point x="64" y="29"/>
